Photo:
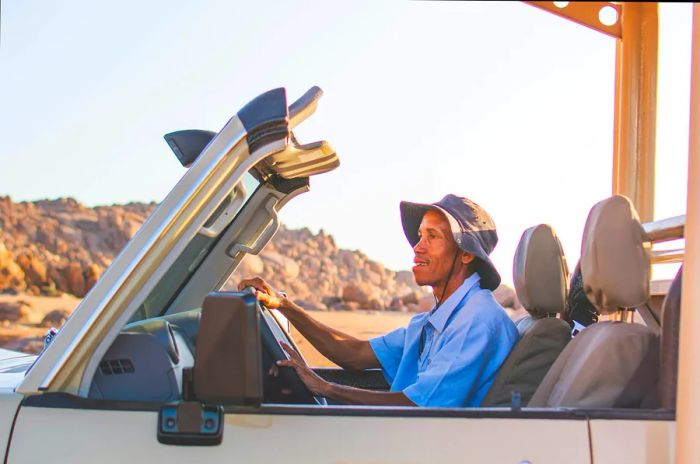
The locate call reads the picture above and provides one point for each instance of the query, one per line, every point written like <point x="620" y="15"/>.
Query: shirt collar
<point x="438" y="317"/>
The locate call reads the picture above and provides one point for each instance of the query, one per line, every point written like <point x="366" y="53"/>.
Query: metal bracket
<point x="264" y="237"/>
<point x="190" y="423"/>
<point x="586" y="13"/>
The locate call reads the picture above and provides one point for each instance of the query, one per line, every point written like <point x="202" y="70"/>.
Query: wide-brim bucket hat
<point x="472" y="229"/>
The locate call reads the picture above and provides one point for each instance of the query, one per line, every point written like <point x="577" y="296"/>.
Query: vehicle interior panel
<point x="185" y="327"/>
<point x="144" y="366"/>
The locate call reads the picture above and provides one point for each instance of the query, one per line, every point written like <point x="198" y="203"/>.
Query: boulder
<point x="91" y="275"/>
<point x="75" y="280"/>
<point x="288" y="267"/>
<point x="55" y="318"/>
<point x="411" y="297"/>
<point x="11" y="274"/>
<point x="345" y="306"/>
<point x="14" y="311"/>
<point x="311" y="305"/>
<point x="359" y="292"/>
<point x="34" y="270"/>
<point x="406" y="277"/>
<point x="330" y="300"/>
<point x="58" y="279"/>
<point x="250" y="266"/>
<point x="506" y="297"/>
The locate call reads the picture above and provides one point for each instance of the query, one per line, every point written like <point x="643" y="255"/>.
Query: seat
<point x="608" y="364"/>
<point x="540" y="277"/>
<point x="670" y="328"/>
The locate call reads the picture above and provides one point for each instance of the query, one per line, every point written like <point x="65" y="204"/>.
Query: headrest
<point x="615" y="261"/>
<point x="540" y="273"/>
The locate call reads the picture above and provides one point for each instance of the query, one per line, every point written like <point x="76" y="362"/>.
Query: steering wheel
<point x="271" y="334"/>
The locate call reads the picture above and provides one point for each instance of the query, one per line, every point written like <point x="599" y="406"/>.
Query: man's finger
<point x="257" y="283"/>
<point x="261" y="285"/>
<point x="287" y="363"/>
<point x="292" y="352"/>
<point x="246" y="283"/>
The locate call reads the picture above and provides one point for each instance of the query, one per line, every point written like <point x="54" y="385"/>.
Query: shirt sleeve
<point x="389" y="350"/>
<point x="455" y="371"/>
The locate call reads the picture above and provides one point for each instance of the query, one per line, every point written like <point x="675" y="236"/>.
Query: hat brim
<point x="411" y="217"/>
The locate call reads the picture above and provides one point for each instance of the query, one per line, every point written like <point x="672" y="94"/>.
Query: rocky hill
<point x="48" y="247"/>
<point x="53" y="246"/>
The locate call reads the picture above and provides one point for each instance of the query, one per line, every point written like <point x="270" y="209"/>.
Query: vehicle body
<point x="224" y="207"/>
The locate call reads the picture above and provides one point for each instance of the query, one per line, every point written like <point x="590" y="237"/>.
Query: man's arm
<point x="350" y="395"/>
<point x="345" y="350"/>
<point x="342" y="393"/>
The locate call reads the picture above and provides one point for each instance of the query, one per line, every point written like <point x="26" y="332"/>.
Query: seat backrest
<point x="670" y="325"/>
<point x="608" y="364"/>
<point x="540" y="277"/>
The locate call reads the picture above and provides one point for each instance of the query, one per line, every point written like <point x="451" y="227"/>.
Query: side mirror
<point x="228" y="360"/>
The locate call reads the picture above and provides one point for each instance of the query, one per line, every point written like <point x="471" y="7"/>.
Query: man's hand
<point x="341" y="393"/>
<point x="313" y="382"/>
<point x="345" y="350"/>
<point x="259" y="284"/>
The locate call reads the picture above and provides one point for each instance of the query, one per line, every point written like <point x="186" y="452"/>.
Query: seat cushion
<point x="529" y="361"/>
<point x="607" y="365"/>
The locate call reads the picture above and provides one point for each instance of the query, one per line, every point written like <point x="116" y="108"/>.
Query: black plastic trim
<point x="267" y="134"/>
<point x="66" y="401"/>
<point x="210" y="433"/>
<point x="63" y="400"/>
<point x="269" y="107"/>
<point x="265" y="118"/>
<point x="188" y="144"/>
<point x="287" y="186"/>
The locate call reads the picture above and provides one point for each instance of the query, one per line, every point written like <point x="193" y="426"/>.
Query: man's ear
<point x="467" y="258"/>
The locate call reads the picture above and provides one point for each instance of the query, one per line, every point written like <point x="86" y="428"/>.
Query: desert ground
<point x="27" y="333"/>
<point x="361" y="324"/>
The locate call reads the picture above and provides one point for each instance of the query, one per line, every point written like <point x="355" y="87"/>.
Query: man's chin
<point x="420" y="280"/>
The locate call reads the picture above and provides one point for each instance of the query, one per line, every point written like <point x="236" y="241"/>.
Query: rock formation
<point x="53" y="246"/>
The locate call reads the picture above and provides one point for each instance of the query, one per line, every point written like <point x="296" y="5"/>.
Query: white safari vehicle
<point x="157" y="365"/>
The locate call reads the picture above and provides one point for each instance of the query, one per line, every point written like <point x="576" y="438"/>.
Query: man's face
<point x="435" y="251"/>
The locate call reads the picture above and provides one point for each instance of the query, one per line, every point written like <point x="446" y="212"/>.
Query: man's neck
<point x="455" y="282"/>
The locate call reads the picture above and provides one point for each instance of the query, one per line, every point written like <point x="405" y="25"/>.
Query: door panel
<point x="633" y="441"/>
<point x="44" y="434"/>
<point x="306" y="439"/>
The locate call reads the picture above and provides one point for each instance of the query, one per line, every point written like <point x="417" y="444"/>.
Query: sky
<point x="500" y="102"/>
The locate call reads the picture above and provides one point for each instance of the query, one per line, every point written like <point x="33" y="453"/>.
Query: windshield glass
<point x="192" y="256"/>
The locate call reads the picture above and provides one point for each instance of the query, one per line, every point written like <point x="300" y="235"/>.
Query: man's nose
<point x="420" y="246"/>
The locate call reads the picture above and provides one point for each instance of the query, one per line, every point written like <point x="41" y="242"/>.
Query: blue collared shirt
<point x="466" y="340"/>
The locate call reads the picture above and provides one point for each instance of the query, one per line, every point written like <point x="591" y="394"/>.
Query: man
<point x="446" y="357"/>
